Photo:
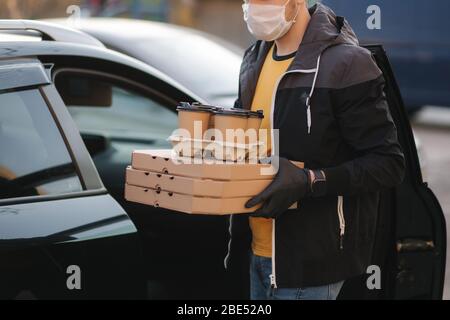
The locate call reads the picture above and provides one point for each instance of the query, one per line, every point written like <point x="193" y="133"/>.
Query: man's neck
<point x="290" y="42"/>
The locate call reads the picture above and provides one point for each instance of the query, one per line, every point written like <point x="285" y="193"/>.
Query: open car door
<point x="410" y="246"/>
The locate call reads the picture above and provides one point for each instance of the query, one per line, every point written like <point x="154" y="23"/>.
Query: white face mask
<point x="267" y="22"/>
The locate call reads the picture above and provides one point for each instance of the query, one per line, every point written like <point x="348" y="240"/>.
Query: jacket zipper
<point x="304" y="71"/>
<point x="273" y="279"/>
<point x="340" y="211"/>
<point x="273" y="282"/>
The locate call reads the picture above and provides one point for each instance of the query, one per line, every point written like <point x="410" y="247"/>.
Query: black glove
<point x="290" y="184"/>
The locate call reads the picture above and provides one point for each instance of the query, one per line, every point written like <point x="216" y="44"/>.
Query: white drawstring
<point x="227" y="257"/>
<point x="340" y="210"/>
<point x="308" y="99"/>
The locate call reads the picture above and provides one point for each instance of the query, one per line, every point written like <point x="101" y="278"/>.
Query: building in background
<point x="35" y="9"/>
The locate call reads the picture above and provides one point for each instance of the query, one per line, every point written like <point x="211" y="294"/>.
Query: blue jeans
<point x="260" y="288"/>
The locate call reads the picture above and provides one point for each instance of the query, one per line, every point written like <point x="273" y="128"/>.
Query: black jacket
<point x="347" y="131"/>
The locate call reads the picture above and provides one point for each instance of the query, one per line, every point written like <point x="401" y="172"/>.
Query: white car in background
<point x="206" y="65"/>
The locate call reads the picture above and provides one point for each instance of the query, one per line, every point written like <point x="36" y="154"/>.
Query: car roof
<point x="25" y="49"/>
<point x="47" y="31"/>
<point x="141" y="29"/>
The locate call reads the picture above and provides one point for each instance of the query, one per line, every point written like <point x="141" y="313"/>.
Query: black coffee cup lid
<point x="186" y="106"/>
<point x="257" y="114"/>
<point x="232" y="112"/>
<point x="201" y="105"/>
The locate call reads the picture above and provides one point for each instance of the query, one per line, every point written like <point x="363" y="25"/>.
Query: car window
<point x="119" y="113"/>
<point x="33" y="157"/>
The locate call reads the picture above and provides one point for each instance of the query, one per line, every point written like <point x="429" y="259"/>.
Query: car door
<point x="410" y="248"/>
<point x="56" y="218"/>
<point x="117" y="113"/>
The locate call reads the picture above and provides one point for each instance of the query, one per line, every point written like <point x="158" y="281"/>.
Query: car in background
<point x="416" y="43"/>
<point x="206" y="65"/>
<point x="88" y="99"/>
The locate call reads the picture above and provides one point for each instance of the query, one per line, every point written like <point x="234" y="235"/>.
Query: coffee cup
<point x="230" y="119"/>
<point x="254" y="119"/>
<point x="254" y="123"/>
<point x="190" y="115"/>
<point x="211" y="109"/>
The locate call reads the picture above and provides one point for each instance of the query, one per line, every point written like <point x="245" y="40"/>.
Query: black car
<point x="70" y="107"/>
<point x="55" y="212"/>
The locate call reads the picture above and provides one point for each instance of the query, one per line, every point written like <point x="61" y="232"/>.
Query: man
<point x="324" y="93"/>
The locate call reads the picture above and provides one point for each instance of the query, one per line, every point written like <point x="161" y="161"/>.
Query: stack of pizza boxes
<point x="214" y="167"/>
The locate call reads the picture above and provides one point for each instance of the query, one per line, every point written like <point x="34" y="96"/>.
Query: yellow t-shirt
<point x="271" y="71"/>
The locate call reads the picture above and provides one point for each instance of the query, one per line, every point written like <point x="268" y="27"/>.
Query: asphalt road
<point x="432" y="129"/>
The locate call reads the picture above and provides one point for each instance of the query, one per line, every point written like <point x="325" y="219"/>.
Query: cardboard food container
<point x="254" y="123"/>
<point x="230" y="119"/>
<point x="159" y="178"/>
<point x="166" y="161"/>
<point x="197" y="187"/>
<point x="254" y="119"/>
<point x="189" y="114"/>
<point x="187" y="203"/>
<point x="221" y="150"/>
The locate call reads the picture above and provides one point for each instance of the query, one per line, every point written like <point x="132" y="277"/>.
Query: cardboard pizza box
<point x="194" y="186"/>
<point x="187" y="203"/>
<point x="166" y="161"/>
<point x="220" y="150"/>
